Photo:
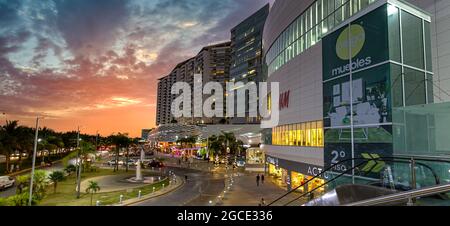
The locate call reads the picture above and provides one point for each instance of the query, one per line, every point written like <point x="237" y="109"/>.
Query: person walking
<point x="263" y="202"/>
<point x="257" y="180"/>
<point x="262" y="178"/>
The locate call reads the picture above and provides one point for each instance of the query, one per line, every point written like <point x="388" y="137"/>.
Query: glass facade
<point x="373" y="66"/>
<point x="308" y="29"/>
<point x="246" y="45"/>
<point x="308" y="134"/>
<point x="246" y="58"/>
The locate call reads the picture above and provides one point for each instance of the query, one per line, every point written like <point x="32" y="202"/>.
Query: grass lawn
<point x="374" y="135"/>
<point x="66" y="195"/>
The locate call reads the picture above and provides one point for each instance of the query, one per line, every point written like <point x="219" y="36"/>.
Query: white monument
<point x="142" y="155"/>
<point x="138" y="171"/>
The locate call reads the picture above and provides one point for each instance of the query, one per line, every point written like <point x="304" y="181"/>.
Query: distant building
<point x="246" y="55"/>
<point x="213" y="63"/>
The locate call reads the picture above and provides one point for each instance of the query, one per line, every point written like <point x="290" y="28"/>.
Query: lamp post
<point x="30" y="198"/>
<point x="79" y="163"/>
<point x="96" y="141"/>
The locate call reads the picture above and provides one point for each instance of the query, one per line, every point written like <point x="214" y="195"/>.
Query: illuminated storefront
<point x="298" y="179"/>
<point x="290" y="174"/>
<point x="254" y="156"/>
<point x="307" y="134"/>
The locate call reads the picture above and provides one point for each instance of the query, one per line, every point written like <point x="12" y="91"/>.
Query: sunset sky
<point x="95" y="63"/>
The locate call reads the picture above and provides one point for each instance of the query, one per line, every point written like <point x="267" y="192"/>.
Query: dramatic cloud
<point x="96" y="62"/>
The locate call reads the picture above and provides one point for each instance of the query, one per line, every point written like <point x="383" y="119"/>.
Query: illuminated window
<point x="308" y="134"/>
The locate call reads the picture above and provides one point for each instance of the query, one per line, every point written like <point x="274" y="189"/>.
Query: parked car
<point x="155" y="164"/>
<point x="132" y="162"/>
<point x="240" y="163"/>
<point x="6" y="182"/>
<point x="113" y="162"/>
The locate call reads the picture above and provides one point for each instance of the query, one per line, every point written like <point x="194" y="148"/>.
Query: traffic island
<point x="115" y="190"/>
<point x="173" y="185"/>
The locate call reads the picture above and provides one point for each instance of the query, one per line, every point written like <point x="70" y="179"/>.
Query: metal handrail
<point x="364" y="160"/>
<point x="408" y="195"/>
<point x="319" y="175"/>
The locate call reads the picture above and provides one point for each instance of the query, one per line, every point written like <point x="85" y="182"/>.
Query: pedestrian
<point x="185" y="177"/>
<point x="263" y="202"/>
<point x="257" y="180"/>
<point x="262" y="178"/>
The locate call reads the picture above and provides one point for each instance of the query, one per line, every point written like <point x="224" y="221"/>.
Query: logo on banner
<point x="348" y="45"/>
<point x="350" y="42"/>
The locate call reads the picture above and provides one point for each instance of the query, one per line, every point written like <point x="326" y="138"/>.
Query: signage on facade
<point x="273" y="161"/>
<point x="299" y="167"/>
<point x="284" y="100"/>
<point x="364" y="102"/>
<point x="358" y="45"/>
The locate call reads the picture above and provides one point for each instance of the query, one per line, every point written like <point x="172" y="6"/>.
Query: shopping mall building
<point x="356" y="79"/>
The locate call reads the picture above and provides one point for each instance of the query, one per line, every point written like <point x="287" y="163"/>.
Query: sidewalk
<point x="172" y="187"/>
<point x="244" y="192"/>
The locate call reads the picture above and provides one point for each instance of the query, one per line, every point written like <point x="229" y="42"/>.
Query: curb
<point x="151" y="196"/>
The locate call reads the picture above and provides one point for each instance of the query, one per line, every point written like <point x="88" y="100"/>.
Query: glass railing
<point x="397" y="175"/>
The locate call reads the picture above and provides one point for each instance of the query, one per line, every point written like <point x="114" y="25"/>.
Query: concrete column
<point x="289" y="186"/>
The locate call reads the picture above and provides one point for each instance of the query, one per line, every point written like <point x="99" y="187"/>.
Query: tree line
<point x="19" y="139"/>
<point x="217" y="145"/>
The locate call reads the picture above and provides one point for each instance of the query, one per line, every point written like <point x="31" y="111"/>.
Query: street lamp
<point x="36" y="140"/>
<point x="96" y="141"/>
<point x="42" y="153"/>
<point x="79" y="163"/>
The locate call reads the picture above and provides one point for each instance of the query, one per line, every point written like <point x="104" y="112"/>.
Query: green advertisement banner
<point x="358" y="45"/>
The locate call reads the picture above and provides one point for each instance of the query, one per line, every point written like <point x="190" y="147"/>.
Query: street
<point x="198" y="186"/>
<point x="12" y="190"/>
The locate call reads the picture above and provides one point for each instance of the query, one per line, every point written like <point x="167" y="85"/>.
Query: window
<point x="427" y="31"/>
<point x="319" y="11"/>
<point x="414" y="87"/>
<point x="308" y="20"/>
<point x="412" y="40"/>
<point x="346" y="10"/>
<point x="338" y="3"/>
<point x="314" y="14"/>
<point x="396" y="85"/>
<point x="394" y="33"/>
<point x="355" y="6"/>
<point x="331" y="22"/>
<point x="321" y="17"/>
<point x="324" y="9"/>
<point x="302" y="134"/>
<point x="430" y="89"/>
<point x="338" y="15"/>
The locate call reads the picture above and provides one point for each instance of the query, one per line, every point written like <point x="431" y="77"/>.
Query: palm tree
<point x="70" y="169"/>
<point x="120" y="140"/>
<point x="9" y="140"/>
<point x="215" y="145"/>
<point x="92" y="188"/>
<point x="56" y="177"/>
